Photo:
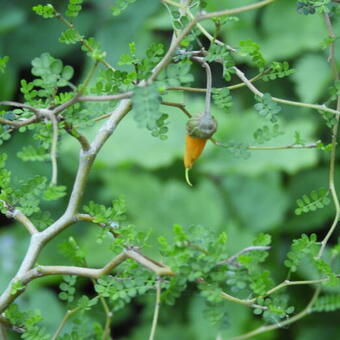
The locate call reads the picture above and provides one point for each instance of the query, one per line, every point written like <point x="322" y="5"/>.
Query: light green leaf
<point x="310" y="84"/>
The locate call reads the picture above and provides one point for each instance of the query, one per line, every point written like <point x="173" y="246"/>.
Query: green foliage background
<point x="240" y="197"/>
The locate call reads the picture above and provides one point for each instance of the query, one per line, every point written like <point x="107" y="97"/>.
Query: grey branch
<point x="232" y="259"/>
<point x="24" y="220"/>
<point x="158" y="268"/>
<point x="252" y="88"/>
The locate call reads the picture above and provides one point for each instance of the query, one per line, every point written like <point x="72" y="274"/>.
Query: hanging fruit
<point x="199" y="128"/>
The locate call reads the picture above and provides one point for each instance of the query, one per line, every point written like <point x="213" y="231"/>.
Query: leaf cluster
<point x="278" y="70"/>
<point x="220" y="53"/>
<point x="317" y="199"/>
<point x="267" y="108"/>
<point x="3" y="63"/>
<point x="253" y="50"/>
<point x="222" y="98"/>
<point x="266" y="133"/>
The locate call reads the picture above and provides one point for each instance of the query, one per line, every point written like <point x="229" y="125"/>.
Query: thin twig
<point x="104" y="98"/>
<point x="252" y="88"/>
<point x="209" y="36"/>
<point x="235" y="10"/>
<point x="157" y="267"/>
<point x="233" y="258"/>
<point x="335" y="128"/>
<point x="156" y="310"/>
<point x="63" y="322"/>
<point x="180" y="106"/>
<point x="173" y="3"/>
<point x="264" y="329"/>
<point x="108" y="314"/>
<point x="70" y="129"/>
<point x="23" y="106"/>
<point x="54" y="144"/>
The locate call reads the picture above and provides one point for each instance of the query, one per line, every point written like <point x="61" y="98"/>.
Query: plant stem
<point x="332" y="161"/>
<point x="252" y="88"/>
<point x="209" y="36"/>
<point x="180" y="106"/>
<point x="108" y="313"/>
<point x="54" y="149"/>
<point x="156" y="310"/>
<point x="88" y="77"/>
<point x="264" y="329"/>
<point x="235" y="10"/>
<point x="63" y="322"/>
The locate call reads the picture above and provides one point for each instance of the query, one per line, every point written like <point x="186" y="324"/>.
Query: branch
<point x="93" y="273"/>
<point x="111" y="97"/>
<point x="252" y="88"/>
<point x="296" y="283"/>
<point x="23" y="106"/>
<point x="332" y="161"/>
<point x="284" y="147"/>
<point x="208" y="35"/>
<point x="85" y="145"/>
<point x="63" y="322"/>
<point x="249" y="303"/>
<point x="24" y="220"/>
<point x="231" y="260"/>
<point x="264" y="329"/>
<point x="180" y="106"/>
<point x="38" y="240"/>
<point x="54" y="144"/>
<point x="6" y="323"/>
<point x="173" y="3"/>
<point x="235" y="10"/>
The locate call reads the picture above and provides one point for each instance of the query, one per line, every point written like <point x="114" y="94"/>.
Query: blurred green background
<point x="241" y="197"/>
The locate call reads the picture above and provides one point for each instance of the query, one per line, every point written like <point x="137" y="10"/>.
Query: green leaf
<point x="70" y="36"/>
<point x="222" y="98"/>
<point x="16" y="287"/>
<point x="309" y="84"/>
<point x="31" y="153"/>
<point x="300" y="248"/>
<point x="177" y="74"/>
<point x="46" y="11"/>
<point x="146" y="106"/>
<point x="73" y="8"/>
<point x="278" y="70"/>
<point x="54" y="192"/>
<point x="252" y="49"/>
<point x="267" y="108"/>
<point x="315" y="200"/>
<point x="217" y="53"/>
<point x="3" y="62"/>
<point x="266" y="133"/>
<point x="327" y="303"/>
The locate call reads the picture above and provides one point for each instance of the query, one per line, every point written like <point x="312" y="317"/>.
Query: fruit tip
<point x="187" y="176"/>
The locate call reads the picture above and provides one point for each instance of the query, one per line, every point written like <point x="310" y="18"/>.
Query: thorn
<point x="187" y="176"/>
